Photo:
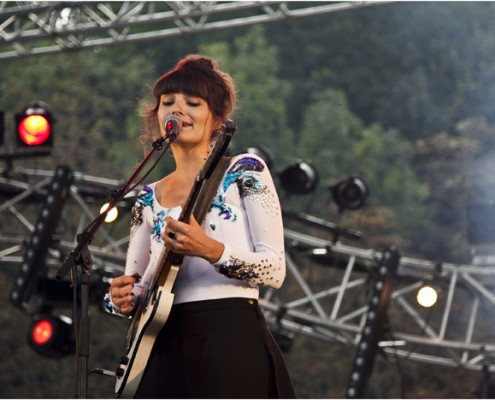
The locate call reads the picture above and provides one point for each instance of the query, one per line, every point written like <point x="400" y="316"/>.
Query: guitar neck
<point x="169" y="257"/>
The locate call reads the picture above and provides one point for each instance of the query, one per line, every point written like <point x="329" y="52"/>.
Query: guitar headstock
<point x="225" y="134"/>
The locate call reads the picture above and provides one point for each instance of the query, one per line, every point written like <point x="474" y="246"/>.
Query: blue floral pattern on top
<point x="158" y="225"/>
<point x="146" y="199"/>
<point x="240" y="174"/>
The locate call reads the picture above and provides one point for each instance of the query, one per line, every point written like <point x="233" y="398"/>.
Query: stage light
<point x="51" y="336"/>
<point x="349" y="193"/>
<point x="427" y="296"/>
<point x="372" y="331"/>
<point x="34" y="256"/>
<point x="263" y="152"/>
<point x="111" y="215"/>
<point x="34" y="126"/>
<point x="299" y="178"/>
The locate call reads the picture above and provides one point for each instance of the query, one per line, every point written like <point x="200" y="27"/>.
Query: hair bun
<point x="199" y="62"/>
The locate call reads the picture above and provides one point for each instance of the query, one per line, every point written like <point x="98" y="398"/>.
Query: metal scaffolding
<point x="29" y="28"/>
<point x="325" y="295"/>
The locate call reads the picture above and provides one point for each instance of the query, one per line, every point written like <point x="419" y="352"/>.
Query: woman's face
<point x="196" y="117"/>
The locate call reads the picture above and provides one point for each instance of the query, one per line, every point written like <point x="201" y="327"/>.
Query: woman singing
<point x="215" y="343"/>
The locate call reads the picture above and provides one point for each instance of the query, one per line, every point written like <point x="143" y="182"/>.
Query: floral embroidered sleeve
<point x="264" y="264"/>
<point x="139" y="251"/>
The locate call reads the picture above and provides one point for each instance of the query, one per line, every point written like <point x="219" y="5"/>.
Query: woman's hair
<point x="197" y="76"/>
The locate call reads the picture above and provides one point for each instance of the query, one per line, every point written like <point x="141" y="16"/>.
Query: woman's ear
<point x="217" y="123"/>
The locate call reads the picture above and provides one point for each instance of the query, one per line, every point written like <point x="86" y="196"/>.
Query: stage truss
<point x="326" y="293"/>
<point x="29" y="28"/>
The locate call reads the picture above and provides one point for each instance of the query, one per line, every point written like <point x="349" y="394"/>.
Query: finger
<point x="168" y="234"/>
<point x="176" y="226"/>
<point x="171" y="223"/>
<point x="122" y="292"/>
<point x="170" y="228"/>
<point x="193" y="222"/>
<point x="127" y="309"/>
<point x="124" y="280"/>
<point x="123" y="300"/>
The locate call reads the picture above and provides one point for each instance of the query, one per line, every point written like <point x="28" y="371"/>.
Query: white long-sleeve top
<point x="245" y="216"/>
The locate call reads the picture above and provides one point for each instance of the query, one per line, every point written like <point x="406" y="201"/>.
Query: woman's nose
<point x="178" y="107"/>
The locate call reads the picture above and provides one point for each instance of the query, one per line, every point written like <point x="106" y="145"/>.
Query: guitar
<point x="153" y="310"/>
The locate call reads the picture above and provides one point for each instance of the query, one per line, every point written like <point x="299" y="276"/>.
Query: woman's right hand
<point x="121" y="293"/>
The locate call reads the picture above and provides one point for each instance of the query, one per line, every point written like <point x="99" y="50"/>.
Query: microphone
<point x="172" y="125"/>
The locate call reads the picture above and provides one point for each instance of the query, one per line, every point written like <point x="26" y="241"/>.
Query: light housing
<point x="112" y="214"/>
<point x="42" y="236"/>
<point x="349" y="193"/>
<point x="34" y="126"/>
<point x="299" y="178"/>
<point x="427" y="296"/>
<point x="51" y="336"/>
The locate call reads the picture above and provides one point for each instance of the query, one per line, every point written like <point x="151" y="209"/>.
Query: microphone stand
<point x="80" y="256"/>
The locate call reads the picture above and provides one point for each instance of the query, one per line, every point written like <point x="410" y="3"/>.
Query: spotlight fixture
<point x="372" y="331"/>
<point x="427" y="296"/>
<point x="263" y="152"/>
<point x="112" y="214"/>
<point x="299" y="178"/>
<point x="34" y="126"/>
<point x="349" y="193"/>
<point x="42" y="236"/>
<point x="51" y="336"/>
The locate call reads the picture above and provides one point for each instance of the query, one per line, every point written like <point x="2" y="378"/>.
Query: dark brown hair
<point x="197" y="76"/>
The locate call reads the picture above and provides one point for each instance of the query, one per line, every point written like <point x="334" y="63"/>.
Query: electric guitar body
<point x="153" y="310"/>
<point x="142" y="335"/>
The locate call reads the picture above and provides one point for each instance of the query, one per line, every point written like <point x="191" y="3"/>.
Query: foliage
<point x="457" y="168"/>
<point x="261" y="115"/>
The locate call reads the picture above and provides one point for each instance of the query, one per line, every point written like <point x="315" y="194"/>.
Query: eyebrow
<point x="187" y="96"/>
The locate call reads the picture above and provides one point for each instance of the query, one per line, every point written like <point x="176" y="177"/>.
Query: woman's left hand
<point x="190" y="240"/>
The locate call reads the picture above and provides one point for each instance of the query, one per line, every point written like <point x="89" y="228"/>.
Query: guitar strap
<point x="209" y="190"/>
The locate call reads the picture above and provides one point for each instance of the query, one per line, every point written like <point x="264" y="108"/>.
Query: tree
<point x="261" y="115"/>
<point x="415" y="67"/>
<point x="457" y="168"/>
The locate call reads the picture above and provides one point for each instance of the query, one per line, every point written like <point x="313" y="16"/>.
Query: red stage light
<point x="51" y="335"/>
<point x="34" y="130"/>
<point x="34" y="125"/>
<point x="42" y="332"/>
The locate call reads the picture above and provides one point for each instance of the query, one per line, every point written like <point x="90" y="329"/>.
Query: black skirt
<point x="216" y="349"/>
